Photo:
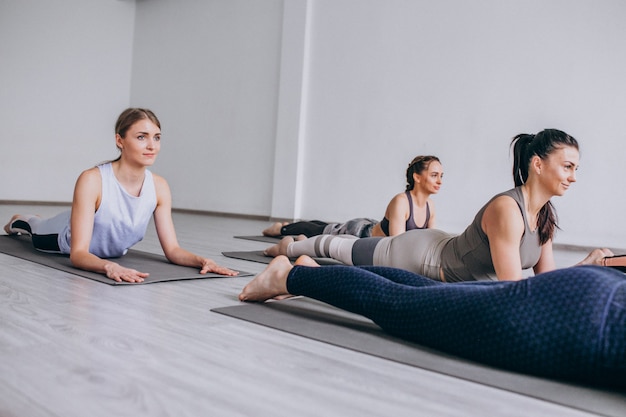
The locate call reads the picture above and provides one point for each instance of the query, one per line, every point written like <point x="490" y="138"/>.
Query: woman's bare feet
<point x="270" y="283"/>
<point x="303" y="260"/>
<point x="306" y="260"/>
<point x="274" y="229"/>
<point x="21" y="227"/>
<point x="280" y="248"/>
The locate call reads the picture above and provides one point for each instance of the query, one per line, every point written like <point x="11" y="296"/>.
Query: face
<point x="142" y="143"/>
<point x="558" y="171"/>
<point x="430" y="179"/>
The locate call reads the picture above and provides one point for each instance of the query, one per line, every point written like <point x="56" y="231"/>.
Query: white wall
<point x="210" y="71"/>
<point x="338" y="94"/>
<point x="64" y="78"/>
<point x="393" y="79"/>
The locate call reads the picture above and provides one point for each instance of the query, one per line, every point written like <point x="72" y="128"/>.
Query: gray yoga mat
<point x="318" y="321"/>
<point x="258" y="256"/>
<point x="159" y="268"/>
<point x="266" y="239"/>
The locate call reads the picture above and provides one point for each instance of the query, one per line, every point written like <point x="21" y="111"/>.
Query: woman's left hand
<point x="209" y="265"/>
<point x="596" y="256"/>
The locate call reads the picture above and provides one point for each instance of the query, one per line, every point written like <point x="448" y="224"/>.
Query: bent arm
<point x="504" y="225"/>
<point x="86" y="200"/>
<point x="397" y="213"/>
<point x="546" y="260"/>
<point x="167" y="235"/>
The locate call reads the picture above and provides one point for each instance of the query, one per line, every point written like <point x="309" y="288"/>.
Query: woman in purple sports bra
<point x="412" y="209"/>
<point x="512" y="232"/>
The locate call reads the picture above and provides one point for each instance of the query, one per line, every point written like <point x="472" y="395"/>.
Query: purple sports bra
<point x="410" y="223"/>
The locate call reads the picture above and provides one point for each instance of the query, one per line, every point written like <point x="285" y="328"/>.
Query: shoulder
<point x="161" y="187"/>
<point x="88" y="187"/>
<point x="399" y="203"/>
<point x="502" y="203"/>
<point x="159" y="181"/>
<point x="399" y="199"/>
<point x="506" y="199"/>
<point x="91" y="175"/>
<point x="504" y="211"/>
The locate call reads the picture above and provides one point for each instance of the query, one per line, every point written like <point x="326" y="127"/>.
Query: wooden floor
<point x="70" y="346"/>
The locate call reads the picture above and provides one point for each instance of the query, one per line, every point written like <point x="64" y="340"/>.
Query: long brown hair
<point x="542" y="144"/>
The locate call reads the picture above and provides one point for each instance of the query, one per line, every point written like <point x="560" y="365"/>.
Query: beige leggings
<point x="418" y="250"/>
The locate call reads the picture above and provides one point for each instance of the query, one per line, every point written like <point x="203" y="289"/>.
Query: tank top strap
<point x="408" y="197"/>
<point x="425" y="226"/>
<point x="410" y="222"/>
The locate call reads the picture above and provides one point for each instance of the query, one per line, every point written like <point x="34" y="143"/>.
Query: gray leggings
<point x="418" y="250"/>
<point x="45" y="232"/>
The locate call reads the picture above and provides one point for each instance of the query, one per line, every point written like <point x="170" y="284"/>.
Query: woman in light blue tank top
<point x="112" y="206"/>
<point x="423" y="176"/>
<point x="512" y="232"/>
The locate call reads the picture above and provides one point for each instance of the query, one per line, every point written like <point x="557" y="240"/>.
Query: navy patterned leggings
<point x="565" y="324"/>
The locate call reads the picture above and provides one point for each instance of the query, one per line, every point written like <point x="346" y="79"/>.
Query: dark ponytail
<point x="525" y="146"/>
<point x="521" y="160"/>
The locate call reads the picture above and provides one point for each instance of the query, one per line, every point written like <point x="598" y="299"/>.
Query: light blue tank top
<point x="121" y="220"/>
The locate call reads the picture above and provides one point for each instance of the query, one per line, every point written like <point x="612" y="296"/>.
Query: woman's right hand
<point x="596" y="256"/>
<point x="118" y="273"/>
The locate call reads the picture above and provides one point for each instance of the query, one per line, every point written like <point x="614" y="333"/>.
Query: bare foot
<point x="274" y="230"/>
<point x="270" y="283"/>
<point x="303" y="260"/>
<point x="306" y="260"/>
<point x="14" y="231"/>
<point x="280" y="248"/>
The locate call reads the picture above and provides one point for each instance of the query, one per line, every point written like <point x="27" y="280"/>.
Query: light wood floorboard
<point x="70" y="346"/>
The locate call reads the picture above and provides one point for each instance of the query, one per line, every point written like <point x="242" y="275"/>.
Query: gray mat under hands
<point x="159" y="268"/>
<point x="318" y="321"/>
<point x="258" y="256"/>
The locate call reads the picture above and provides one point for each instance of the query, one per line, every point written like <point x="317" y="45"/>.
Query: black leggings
<point x="307" y="228"/>
<point x="48" y="242"/>
<point x="568" y="323"/>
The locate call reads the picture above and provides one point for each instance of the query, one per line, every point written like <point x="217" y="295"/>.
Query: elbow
<point x="76" y="258"/>
<point x="73" y="258"/>
<point x="171" y="254"/>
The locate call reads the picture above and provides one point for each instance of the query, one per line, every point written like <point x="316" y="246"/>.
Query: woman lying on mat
<point x="412" y="209"/>
<point x="513" y="231"/>
<point x="112" y="206"/>
<point x="565" y="324"/>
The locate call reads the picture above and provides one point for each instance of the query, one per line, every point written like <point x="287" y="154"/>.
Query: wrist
<point x="108" y="266"/>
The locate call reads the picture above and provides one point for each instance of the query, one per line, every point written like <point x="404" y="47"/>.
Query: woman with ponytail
<point x="412" y="209"/>
<point x="566" y="324"/>
<point x="512" y="232"/>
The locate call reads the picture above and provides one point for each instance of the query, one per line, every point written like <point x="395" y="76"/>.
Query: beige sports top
<point x="467" y="257"/>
